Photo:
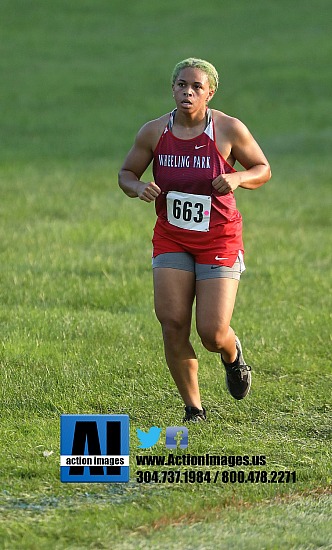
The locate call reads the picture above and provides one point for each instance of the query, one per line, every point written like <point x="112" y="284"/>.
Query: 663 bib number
<point x="189" y="211"/>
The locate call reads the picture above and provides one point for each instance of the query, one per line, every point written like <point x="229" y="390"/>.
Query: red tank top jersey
<point x="190" y="166"/>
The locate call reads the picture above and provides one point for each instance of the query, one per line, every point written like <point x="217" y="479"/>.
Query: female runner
<point x="197" y="240"/>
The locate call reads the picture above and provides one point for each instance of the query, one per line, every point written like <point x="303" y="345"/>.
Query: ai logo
<point x="94" y="448"/>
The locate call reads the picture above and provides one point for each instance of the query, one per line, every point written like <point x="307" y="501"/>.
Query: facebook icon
<point x="175" y="435"/>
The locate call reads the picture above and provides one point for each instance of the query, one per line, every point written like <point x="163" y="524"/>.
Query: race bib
<point x="189" y="211"/>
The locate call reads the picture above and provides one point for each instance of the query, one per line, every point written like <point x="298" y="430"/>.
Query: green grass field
<point x="78" y="331"/>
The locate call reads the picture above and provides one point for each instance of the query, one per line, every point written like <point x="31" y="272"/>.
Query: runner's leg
<point x="215" y="299"/>
<point x="174" y="292"/>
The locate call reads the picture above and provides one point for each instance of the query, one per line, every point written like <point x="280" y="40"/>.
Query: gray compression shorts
<point x="186" y="262"/>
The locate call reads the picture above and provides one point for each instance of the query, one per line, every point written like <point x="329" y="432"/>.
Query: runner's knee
<point x="173" y="327"/>
<point x="214" y="340"/>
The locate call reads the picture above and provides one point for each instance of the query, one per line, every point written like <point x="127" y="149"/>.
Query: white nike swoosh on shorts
<point x="217" y="258"/>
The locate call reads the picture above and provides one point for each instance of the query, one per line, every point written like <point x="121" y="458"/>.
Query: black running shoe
<point x="238" y="375"/>
<point x="194" y="415"/>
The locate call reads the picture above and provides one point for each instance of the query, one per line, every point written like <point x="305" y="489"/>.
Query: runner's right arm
<point x="135" y="164"/>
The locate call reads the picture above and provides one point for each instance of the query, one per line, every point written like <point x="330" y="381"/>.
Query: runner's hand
<point x="226" y="183"/>
<point x="148" y="192"/>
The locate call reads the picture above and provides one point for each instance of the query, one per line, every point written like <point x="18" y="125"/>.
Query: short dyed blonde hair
<point x="205" y="66"/>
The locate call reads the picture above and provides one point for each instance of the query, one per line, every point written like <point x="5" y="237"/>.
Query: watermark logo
<point x="175" y="436"/>
<point x="94" y="448"/>
<point x="148" y="439"/>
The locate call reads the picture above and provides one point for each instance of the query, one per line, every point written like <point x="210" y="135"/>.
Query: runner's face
<point x="191" y="90"/>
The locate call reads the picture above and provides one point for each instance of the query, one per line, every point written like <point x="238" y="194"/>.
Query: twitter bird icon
<point x="148" y="439"/>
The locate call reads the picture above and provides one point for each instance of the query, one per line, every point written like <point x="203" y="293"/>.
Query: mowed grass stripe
<point x="237" y="525"/>
<point x="66" y="351"/>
